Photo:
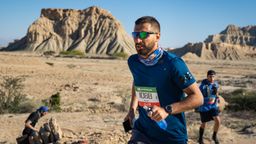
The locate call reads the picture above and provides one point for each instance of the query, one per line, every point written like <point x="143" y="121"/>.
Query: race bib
<point x="147" y="96"/>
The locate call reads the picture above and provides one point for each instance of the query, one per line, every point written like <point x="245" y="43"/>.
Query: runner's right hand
<point x="130" y="116"/>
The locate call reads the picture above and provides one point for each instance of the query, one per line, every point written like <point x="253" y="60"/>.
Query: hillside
<point x="91" y="31"/>
<point x="234" y="43"/>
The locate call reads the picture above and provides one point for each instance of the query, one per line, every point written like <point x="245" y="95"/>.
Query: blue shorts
<point x="208" y="115"/>
<point x="139" y="138"/>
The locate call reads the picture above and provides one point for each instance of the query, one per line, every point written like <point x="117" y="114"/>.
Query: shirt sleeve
<point x="32" y="117"/>
<point x="181" y="74"/>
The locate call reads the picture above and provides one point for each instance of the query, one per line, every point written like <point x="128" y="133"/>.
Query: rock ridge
<point x="91" y="31"/>
<point x="233" y="43"/>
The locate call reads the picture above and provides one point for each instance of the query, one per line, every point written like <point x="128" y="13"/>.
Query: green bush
<point x="72" y="53"/>
<point x="120" y="55"/>
<point x="241" y="99"/>
<point x="11" y="95"/>
<point x="54" y="102"/>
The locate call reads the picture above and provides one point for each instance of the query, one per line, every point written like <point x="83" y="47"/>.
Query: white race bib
<point x="147" y="96"/>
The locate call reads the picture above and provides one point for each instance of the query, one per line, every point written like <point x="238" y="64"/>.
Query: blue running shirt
<point x="166" y="79"/>
<point x="210" y="97"/>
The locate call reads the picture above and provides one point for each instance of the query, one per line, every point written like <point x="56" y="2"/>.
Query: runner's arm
<point x="28" y="125"/>
<point x="133" y="105"/>
<point x="134" y="100"/>
<point x="194" y="99"/>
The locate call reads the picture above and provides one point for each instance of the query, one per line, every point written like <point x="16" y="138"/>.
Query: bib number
<point x="147" y="96"/>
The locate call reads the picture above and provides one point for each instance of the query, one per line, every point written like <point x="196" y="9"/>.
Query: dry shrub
<point x="122" y="55"/>
<point x="72" y="53"/>
<point x="12" y="98"/>
<point x="241" y="99"/>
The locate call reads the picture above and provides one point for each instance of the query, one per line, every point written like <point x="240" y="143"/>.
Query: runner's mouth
<point x="138" y="46"/>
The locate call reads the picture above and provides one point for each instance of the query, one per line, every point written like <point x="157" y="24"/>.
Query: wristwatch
<point x="168" y="109"/>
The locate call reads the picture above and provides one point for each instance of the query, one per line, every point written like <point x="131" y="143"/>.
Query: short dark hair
<point x="211" y="72"/>
<point x="148" y="19"/>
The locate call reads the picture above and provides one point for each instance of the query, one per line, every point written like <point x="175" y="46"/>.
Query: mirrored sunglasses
<point x="142" y="35"/>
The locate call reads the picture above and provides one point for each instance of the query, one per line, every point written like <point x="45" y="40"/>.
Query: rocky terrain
<point x="95" y="96"/>
<point x="233" y="43"/>
<point x="91" y="31"/>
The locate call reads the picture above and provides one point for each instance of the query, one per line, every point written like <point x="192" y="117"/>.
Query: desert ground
<point x="95" y="95"/>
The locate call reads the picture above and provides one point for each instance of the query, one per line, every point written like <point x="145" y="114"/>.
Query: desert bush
<point x="120" y="55"/>
<point x="241" y="99"/>
<point x="53" y="102"/>
<point x="11" y="95"/>
<point x="72" y="53"/>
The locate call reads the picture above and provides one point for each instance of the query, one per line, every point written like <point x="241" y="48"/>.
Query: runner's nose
<point x="137" y="40"/>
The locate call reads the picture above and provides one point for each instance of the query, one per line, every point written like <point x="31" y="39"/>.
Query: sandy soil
<point x="95" y="95"/>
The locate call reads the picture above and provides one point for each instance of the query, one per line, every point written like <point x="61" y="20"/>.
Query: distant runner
<point x="159" y="82"/>
<point x="209" y="110"/>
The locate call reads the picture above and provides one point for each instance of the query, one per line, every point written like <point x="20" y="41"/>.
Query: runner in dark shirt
<point x="30" y="123"/>
<point x="160" y="81"/>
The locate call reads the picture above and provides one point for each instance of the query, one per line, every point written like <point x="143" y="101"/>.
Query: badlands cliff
<point x="91" y="31"/>
<point x="234" y="43"/>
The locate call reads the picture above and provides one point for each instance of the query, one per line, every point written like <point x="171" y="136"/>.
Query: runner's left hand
<point x="158" y="113"/>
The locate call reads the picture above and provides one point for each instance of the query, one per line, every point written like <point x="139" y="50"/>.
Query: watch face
<point x="168" y="108"/>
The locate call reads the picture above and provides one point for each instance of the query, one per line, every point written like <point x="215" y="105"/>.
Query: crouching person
<point x="30" y="131"/>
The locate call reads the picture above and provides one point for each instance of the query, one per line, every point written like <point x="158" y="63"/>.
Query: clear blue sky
<point x="182" y="21"/>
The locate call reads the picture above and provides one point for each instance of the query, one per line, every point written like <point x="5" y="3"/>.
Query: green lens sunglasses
<point x="142" y="34"/>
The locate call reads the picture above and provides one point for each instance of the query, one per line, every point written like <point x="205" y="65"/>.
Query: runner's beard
<point x="144" y="50"/>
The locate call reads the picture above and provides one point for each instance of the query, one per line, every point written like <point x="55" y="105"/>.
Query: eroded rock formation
<point x="233" y="43"/>
<point x="91" y="31"/>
